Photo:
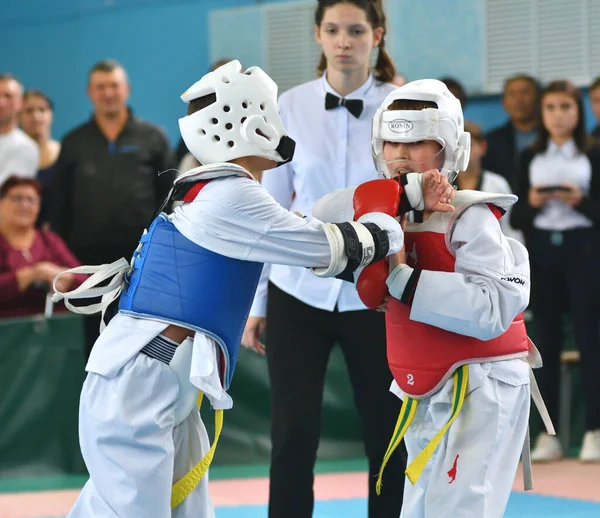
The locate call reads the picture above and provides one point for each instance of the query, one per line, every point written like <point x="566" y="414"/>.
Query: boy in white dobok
<point x="455" y="332"/>
<point x="185" y="297"/>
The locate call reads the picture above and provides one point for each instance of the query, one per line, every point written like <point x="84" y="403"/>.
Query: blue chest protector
<point x="177" y="281"/>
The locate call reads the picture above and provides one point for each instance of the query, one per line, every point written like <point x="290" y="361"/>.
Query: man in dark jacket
<point x="111" y="174"/>
<point x="520" y="100"/>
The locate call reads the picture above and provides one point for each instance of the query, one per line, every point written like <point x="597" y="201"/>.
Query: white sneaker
<point x="590" y="451"/>
<point x="547" y="449"/>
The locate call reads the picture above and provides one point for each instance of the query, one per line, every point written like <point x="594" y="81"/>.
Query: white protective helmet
<point x="444" y="124"/>
<point x="243" y="121"/>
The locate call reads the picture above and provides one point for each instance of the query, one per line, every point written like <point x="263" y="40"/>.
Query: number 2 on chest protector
<point x="410" y="379"/>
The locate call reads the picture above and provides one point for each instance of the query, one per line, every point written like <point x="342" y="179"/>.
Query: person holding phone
<point x="559" y="213"/>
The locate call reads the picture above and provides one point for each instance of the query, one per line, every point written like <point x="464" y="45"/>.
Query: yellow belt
<point x="407" y="414"/>
<point x="183" y="487"/>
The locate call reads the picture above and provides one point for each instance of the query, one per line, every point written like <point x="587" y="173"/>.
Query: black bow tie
<point x="354" y="106"/>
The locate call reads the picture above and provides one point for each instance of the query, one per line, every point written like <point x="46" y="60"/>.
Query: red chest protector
<point x="423" y="357"/>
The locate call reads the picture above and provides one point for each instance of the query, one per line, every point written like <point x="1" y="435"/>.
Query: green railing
<point x="41" y="372"/>
<point x="42" y="369"/>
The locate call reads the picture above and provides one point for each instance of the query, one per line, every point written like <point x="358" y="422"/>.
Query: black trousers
<point x="566" y="265"/>
<point x="300" y="339"/>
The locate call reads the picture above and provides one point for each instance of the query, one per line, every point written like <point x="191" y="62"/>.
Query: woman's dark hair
<point x="384" y="67"/>
<point x="32" y="92"/>
<point x="579" y="133"/>
<point x="19" y="181"/>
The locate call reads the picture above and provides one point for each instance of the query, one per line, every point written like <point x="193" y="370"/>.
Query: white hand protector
<point x="242" y="121"/>
<point x="444" y="124"/>
<point x="359" y="243"/>
<point x="390" y="225"/>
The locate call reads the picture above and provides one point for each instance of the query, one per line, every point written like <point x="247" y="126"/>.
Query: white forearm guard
<point x="352" y="245"/>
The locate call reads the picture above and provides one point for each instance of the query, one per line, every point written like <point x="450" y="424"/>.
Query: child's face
<point x="415" y="157"/>
<point x="560" y="114"/>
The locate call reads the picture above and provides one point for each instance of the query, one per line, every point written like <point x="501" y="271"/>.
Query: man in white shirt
<point x="19" y="154"/>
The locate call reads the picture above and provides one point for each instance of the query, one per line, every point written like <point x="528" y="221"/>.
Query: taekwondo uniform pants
<point x="471" y="473"/>
<point x="132" y="451"/>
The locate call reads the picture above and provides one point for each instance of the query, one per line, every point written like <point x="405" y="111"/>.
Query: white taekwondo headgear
<point x="243" y="121"/>
<point x="444" y="124"/>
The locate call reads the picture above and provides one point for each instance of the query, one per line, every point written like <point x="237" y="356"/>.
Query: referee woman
<point x="330" y="119"/>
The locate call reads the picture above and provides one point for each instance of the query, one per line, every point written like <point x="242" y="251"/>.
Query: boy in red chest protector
<point x="455" y="332"/>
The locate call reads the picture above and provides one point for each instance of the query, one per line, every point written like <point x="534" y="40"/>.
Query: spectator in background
<point x="29" y="258"/>
<point x="111" y="173"/>
<point x="18" y="153"/>
<point x="182" y="152"/>
<point x="559" y="212"/>
<point x="594" y="92"/>
<point x="478" y="179"/>
<point x="36" y="120"/>
<point x="520" y="100"/>
<point x="457" y="89"/>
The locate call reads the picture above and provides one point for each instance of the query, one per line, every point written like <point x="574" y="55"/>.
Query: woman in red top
<point x="29" y="258"/>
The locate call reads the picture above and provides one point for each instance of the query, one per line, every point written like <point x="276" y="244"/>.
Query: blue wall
<point x="437" y="38"/>
<point x="164" y="45"/>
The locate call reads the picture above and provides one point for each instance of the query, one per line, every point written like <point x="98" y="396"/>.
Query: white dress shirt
<point x="560" y="165"/>
<point x="333" y="151"/>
